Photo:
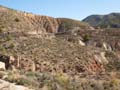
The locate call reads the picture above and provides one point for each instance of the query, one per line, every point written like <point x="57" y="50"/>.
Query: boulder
<point x="107" y="47"/>
<point x="81" y="43"/>
<point x="2" y="66"/>
<point x="101" y="58"/>
<point x="4" y="85"/>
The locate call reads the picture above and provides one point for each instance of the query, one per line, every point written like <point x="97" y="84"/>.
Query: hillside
<point x="45" y="53"/>
<point x="12" y="20"/>
<point x="111" y="20"/>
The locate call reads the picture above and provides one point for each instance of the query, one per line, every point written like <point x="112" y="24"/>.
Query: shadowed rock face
<point x="8" y="61"/>
<point x="5" y="59"/>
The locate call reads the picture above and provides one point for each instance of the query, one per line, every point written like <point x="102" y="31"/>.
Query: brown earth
<point x="57" y="52"/>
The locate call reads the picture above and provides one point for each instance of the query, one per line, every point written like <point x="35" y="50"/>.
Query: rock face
<point x="4" y="85"/>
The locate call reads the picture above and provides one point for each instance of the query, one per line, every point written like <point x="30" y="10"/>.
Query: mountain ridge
<point x="111" y="20"/>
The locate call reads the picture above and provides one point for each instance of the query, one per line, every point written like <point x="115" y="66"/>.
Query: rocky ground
<point x="71" y="57"/>
<point x="83" y="57"/>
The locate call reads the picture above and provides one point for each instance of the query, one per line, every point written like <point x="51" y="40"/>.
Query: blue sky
<point x="76" y="9"/>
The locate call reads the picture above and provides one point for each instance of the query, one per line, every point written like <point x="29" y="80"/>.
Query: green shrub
<point x="2" y="29"/>
<point x="2" y="49"/>
<point x="17" y="20"/>
<point x="23" y="81"/>
<point x="8" y="38"/>
<point x="11" y="45"/>
<point x="86" y="37"/>
<point x="62" y="78"/>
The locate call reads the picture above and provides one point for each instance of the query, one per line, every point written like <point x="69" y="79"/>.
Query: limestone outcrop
<point x="4" y="85"/>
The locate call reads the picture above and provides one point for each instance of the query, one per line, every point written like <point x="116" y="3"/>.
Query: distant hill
<point x="111" y="20"/>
